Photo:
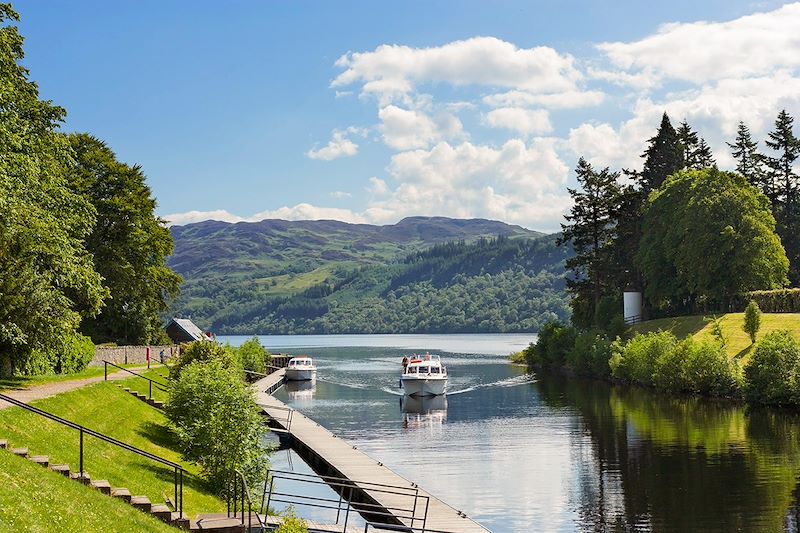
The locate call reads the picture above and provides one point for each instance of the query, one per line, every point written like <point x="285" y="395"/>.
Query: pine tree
<point x="688" y="141"/>
<point x="662" y="157"/>
<point x="703" y="158"/>
<point x="590" y="229"/>
<point x="783" y="182"/>
<point x="748" y="161"/>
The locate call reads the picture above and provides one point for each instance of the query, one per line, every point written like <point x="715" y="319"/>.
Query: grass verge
<point x="23" y="382"/>
<point x="106" y="408"/>
<point x="37" y="500"/>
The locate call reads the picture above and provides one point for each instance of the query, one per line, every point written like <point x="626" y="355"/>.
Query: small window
<point x="412" y="370"/>
<point x="435" y="370"/>
<point x="424" y="370"/>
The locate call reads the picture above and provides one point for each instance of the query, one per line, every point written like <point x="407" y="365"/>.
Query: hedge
<point x="774" y="301"/>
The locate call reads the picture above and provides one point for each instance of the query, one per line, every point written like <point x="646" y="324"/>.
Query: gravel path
<point x="39" y="392"/>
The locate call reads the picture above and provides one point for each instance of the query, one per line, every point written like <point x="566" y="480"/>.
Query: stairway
<point x="136" y="394"/>
<point x="160" y="511"/>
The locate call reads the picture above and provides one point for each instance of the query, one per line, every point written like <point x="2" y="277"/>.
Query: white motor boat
<point x="301" y="369"/>
<point x="423" y="375"/>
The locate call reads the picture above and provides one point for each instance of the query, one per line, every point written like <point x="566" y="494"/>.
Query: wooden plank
<point x="365" y="471"/>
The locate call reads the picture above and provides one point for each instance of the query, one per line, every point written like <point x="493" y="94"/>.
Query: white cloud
<point x="340" y="194"/>
<point x="560" y="100"/>
<point x="377" y="187"/>
<point x="393" y="71"/>
<point x="405" y="129"/>
<point x="338" y="146"/>
<point x="310" y="212"/>
<point x="524" y="121"/>
<point x="697" y="52"/>
<point x="189" y="217"/>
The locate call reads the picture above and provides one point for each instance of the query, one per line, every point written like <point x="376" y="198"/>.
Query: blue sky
<point x="369" y="112"/>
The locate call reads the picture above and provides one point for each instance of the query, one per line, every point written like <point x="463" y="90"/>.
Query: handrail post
<point x="105" y="370"/>
<point x="81" y="459"/>
<point x="347" y="512"/>
<point x="264" y="494"/>
<point x="181" y="509"/>
<point x="175" y="485"/>
<point x="150" y="381"/>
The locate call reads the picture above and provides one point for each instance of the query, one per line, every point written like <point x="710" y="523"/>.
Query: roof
<point x="190" y="328"/>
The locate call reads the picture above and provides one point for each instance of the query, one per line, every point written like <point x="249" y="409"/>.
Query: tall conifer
<point x="662" y="157"/>
<point x="589" y="229"/>
<point x="748" y="161"/>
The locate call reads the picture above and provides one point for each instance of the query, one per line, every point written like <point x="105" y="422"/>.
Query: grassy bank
<point x="37" y="500"/>
<point x="738" y="342"/>
<point x="22" y="382"/>
<point x="106" y="408"/>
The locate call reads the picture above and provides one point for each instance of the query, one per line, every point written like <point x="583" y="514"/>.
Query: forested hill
<point x="420" y="275"/>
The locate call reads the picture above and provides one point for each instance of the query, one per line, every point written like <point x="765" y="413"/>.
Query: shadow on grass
<point x="159" y="434"/>
<point x="14" y="382"/>
<point x="744" y="353"/>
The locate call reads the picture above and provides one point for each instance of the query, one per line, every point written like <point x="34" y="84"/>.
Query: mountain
<point x="278" y="276"/>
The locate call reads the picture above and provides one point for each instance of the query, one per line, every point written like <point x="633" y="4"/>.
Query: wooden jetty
<point x="366" y="473"/>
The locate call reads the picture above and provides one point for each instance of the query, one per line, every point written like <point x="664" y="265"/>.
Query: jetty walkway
<point x="366" y="474"/>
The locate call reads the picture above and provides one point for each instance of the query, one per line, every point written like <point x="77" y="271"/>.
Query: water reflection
<point x="301" y="392"/>
<point x="679" y="464"/>
<point x="425" y="412"/>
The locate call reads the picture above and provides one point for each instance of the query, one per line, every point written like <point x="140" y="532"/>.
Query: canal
<point x="519" y="452"/>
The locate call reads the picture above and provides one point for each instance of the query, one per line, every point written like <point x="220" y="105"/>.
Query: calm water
<point x="521" y="453"/>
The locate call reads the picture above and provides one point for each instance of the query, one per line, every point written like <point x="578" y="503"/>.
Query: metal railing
<point x="163" y="387"/>
<point x="237" y="496"/>
<point x="285" y="422"/>
<point x="177" y="469"/>
<point x="632" y="320"/>
<point x="345" y="488"/>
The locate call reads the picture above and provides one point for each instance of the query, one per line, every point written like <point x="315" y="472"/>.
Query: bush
<point x="78" y="352"/>
<point x="590" y="354"/>
<point x="554" y="343"/>
<point x="752" y="320"/>
<point x="635" y="360"/>
<point x="771" y="376"/>
<point x="291" y="523"/>
<point x="203" y="351"/>
<point x="710" y="371"/>
<point x="253" y="357"/>
<point x="217" y="423"/>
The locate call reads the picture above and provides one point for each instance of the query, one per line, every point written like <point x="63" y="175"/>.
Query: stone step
<point x="122" y="493"/>
<point x="41" y="460"/>
<point x="3" y="444"/>
<point x="102" y="485"/>
<point x="162" y="512"/>
<point x="179" y="521"/>
<point x="22" y="452"/>
<point x="142" y="503"/>
<point x="85" y="478"/>
<point x="61" y="469"/>
<point x="219" y="523"/>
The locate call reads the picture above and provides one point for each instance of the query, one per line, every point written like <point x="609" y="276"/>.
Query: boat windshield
<point x="424" y="370"/>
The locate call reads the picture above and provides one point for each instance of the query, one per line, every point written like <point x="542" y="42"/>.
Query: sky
<point x="373" y="111"/>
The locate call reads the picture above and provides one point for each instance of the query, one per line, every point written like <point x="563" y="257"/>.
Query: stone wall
<point x="122" y="355"/>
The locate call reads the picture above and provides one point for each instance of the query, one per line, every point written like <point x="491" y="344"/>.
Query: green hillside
<point x="420" y="275"/>
<point x="738" y="342"/>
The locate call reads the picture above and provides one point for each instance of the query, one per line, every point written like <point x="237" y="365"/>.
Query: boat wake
<point x="514" y="381"/>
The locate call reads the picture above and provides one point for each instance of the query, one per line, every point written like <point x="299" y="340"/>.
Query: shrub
<point x="217" y="422"/>
<point x="670" y="368"/>
<point x="78" y="352"/>
<point x="291" y="523"/>
<point x="252" y="356"/>
<point x="554" y="343"/>
<point x="636" y="360"/>
<point x="590" y="354"/>
<point x="771" y="376"/>
<point x="752" y="320"/>
<point x="203" y="351"/>
<point x="710" y="371"/>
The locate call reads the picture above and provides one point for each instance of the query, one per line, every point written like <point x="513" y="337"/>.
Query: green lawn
<point x="106" y="408"/>
<point x="37" y="500"/>
<point x="22" y="382"/>
<point x="731" y="323"/>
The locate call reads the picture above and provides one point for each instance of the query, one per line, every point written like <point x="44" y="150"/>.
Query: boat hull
<point x="301" y="374"/>
<point x="414" y="386"/>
